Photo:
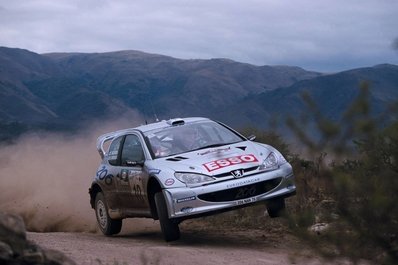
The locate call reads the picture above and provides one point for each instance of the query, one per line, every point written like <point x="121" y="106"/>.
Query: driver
<point x="157" y="148"/>
<point x="186" y="138"/>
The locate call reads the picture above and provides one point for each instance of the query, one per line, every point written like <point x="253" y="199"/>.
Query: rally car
<point x="184" y="168"/>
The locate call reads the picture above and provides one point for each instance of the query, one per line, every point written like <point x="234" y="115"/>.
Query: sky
<point x="320" y="35"/>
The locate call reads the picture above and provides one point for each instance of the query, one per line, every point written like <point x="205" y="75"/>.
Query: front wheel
<point x="169" y="227"/>
<point x="107" y="225"/>
<point x="275" y="207"/>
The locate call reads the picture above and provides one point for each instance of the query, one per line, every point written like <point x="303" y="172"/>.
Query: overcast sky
<point x="322" y="35"/>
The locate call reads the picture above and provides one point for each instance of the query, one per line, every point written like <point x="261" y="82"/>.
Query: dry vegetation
<point x="347" y="184"/>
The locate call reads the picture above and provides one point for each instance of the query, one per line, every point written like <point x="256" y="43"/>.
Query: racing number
<point x="245" y="192"/>
<point x="138" y="192"/>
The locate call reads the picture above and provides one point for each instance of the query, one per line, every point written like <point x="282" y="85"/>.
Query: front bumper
<point x="187" y="202"/>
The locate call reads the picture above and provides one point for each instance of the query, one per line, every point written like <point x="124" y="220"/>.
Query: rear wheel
<point x="275" y="207"/>
<point x="169" y="227"/>
<point x="107" y="225"/>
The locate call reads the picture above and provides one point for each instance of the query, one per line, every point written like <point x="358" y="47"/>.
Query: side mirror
<point x="251" y="137"/>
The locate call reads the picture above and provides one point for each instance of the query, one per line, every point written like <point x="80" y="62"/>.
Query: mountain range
<point x="62" y="91"/>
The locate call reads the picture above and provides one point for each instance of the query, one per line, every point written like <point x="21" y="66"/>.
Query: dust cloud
<point x="45" y="177"/>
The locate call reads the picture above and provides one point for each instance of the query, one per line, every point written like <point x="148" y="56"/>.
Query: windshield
<point x="190" y="137"/>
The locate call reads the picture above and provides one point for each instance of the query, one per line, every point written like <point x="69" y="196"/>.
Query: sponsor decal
<point x="244" y="182"/>
<point x="124" y="175"/>
<point x="137" y="189"/>
<point x="215" y="151"/>
<point x="134" y="179"/>
<point x="187" y="199"/>
<point x="112" y="155"/>
<point x="187" y="209"/>
<point x="153" y="171"/>
<point x="133" y="173"/>
<point x="169" y="182"/>
<point x="102" y="175"/>
<point x="230" y="161"/>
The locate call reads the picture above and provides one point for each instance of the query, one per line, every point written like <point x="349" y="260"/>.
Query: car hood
<point x="217" y="160"/>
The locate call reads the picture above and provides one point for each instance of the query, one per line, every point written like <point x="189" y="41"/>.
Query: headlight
<point x="273" y="161"/>
<point x="282" y="160"/>
<point x="192" y="178"/>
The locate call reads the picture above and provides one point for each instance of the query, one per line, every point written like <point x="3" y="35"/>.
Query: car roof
<point x="144" y="128"/>
<point x="169" y="123"/>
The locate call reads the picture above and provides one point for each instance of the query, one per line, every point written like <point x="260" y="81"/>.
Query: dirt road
<point x="145" y="245"/>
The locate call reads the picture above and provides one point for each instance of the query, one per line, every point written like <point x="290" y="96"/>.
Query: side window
<point x="114" y="151"/>
<point x="132" y="150"/>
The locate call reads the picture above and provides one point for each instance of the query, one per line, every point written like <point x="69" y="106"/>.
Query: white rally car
<point x="184" y="168"/>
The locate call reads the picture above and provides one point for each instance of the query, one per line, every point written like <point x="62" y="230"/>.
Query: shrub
<point x="361" y="179"/>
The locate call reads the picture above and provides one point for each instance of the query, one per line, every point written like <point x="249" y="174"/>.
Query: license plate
<point x="245" y="201"/>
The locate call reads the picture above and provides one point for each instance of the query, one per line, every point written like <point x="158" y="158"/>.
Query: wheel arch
<point x="95" y="188"/>
<point x="153" y="188"/>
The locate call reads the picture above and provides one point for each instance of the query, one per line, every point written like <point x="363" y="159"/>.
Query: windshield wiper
<point x="210" y="146"/>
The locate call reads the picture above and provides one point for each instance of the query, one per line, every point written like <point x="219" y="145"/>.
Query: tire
<point x="276" y="207"/>
<point x="107" y="225"/>
<point x="169" y="227"/>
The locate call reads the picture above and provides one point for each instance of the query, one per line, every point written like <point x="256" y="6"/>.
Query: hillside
<point x="65" y="90"/>
<point x="333" y="93"/>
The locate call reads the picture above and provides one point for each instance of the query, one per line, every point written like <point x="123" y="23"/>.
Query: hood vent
<point x="243" y="148"/>
<point x="176" y="159"/>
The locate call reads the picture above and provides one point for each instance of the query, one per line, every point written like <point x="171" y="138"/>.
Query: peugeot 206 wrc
<point x="184" y="168"/>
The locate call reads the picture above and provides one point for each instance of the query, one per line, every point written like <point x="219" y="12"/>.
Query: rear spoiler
<point x="106" y="138"/>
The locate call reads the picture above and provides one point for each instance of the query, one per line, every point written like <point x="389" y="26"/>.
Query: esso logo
<point x="230" y="161"/>
<point x="169" y="182"/>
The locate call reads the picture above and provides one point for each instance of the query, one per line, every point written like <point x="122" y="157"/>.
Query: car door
<point x="132" y="176"/>
<point x="108" y="171"/>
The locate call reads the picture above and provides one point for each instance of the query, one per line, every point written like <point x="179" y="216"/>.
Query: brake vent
<point x="177" y="158"/>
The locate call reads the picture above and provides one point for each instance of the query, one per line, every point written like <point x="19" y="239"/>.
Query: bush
<point x="347" y="182"/>
<point x="361" y="179"/>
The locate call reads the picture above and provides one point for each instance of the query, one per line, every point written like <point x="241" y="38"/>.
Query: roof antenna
<point x="153" y="110"/>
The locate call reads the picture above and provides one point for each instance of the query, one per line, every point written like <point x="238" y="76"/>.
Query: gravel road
<point x="143" y="244"/>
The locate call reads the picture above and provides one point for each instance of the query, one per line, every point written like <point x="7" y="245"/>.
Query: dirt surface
<point x="141" y="242"/>
<point x="45" y="179"/>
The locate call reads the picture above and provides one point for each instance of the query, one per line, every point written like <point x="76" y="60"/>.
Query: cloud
<point x="303" y="33"/>
<point x="395" y="44"/>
